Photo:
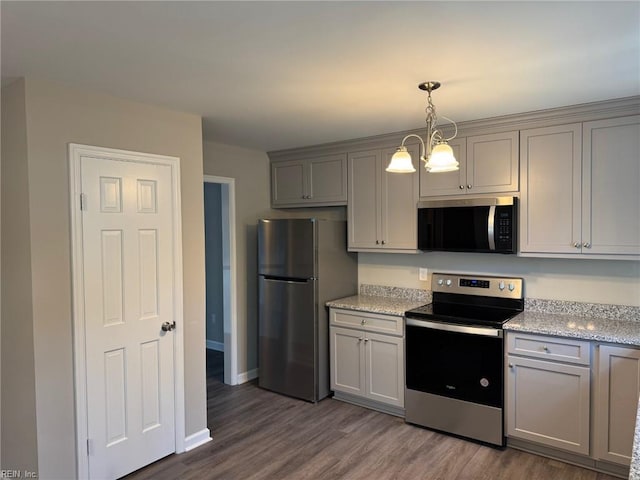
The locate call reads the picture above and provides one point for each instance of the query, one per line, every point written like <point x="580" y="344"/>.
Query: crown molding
<point x="585" y="112"/>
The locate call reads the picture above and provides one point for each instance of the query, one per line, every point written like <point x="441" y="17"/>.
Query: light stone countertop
<point x="376" y="304"/>
<point x="624" y="331"/>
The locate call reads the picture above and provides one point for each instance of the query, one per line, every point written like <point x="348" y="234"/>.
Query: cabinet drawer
<point x="371" y="322"/>
<point x="549" y="348"/>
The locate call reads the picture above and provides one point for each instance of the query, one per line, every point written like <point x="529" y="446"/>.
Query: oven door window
<point x="455" y="365"/>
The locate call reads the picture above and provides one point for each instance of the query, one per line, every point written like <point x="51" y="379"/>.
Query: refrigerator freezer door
<point x="287" y="337"/>
<point x="286" y="248"/>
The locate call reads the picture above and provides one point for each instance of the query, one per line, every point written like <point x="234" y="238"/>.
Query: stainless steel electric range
<point x="454" y="355"/>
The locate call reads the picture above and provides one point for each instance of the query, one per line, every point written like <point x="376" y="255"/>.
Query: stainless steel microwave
<point x="468" y="225"/>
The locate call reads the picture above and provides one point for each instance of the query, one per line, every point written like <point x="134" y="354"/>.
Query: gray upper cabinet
<point x="579" y="189"/>
<point x="550" y="189"/>
<point x="610" y="186"/>
<point x="309" y="182"/>
<point x="382" y="212"/>
<point x="488" y="164"/>
<point x="446" y="183"/>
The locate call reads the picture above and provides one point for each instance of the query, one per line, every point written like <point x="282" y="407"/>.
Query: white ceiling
<point x="274" y="75"/>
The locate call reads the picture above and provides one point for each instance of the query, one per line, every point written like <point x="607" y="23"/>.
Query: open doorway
<point x="220" y="258"/>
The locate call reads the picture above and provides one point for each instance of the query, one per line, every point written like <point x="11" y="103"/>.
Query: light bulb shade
<point x="442" y="159"/>
<point x="401" y="162"/>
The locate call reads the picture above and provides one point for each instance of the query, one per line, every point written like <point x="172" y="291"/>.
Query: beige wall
<point x="56" y="116"/>
<point x="591" y="281"/>
<point x="250" y="169"/>
<point x="18" y="420"/>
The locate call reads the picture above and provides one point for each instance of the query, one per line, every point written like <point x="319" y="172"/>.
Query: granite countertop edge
<point x="620" y="331"/>
<point x="376" y="304"/>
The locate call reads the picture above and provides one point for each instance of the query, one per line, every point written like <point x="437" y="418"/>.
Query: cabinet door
<point x="611" y="180"/>
<point x="399" y="198"/>
<point x="492" y="163"/>
<point x="347" y="363"/>
<point x="446" y="183"/>
<point x="328" y="179"/>
<point x="550" y="186"/>
<point x="548" y="403"/>
<point x="364" y="201"/>
<point x="385" y="368"/>
<point x="288" y="182"/>
<point x="617" y="402"/>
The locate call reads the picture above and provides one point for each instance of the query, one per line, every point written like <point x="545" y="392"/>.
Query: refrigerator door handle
<point x="271" y="278"/>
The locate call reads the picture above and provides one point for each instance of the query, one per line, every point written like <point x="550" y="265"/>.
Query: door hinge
<point x="89" y="446"/>
<point x="83" y="201"/>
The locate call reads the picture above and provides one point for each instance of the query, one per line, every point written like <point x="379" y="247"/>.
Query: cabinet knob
<point x="545" y="348"/>
<point x="586" y="245"/>
<point x="469" y="186"/>
<point x="360" y="339"/>
<point x="366" y="340"/>
<point x="383" y="242"/>
<point x="363" y="321"/>
<point x="577" y="244"/>
<point x="461" y="187"/>
<point x="511" y="365"/>
<point x="377" y="242"/>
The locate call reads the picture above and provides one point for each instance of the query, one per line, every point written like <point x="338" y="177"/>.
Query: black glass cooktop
<point x="467" y="313"/>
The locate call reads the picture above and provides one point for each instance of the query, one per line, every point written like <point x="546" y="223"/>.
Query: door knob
<point x="167" y="327"/>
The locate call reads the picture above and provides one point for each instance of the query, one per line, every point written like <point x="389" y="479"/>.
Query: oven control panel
<point x="488" y="286"/>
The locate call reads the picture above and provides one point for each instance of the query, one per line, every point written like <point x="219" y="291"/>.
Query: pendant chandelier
<point x="436" y="153"/>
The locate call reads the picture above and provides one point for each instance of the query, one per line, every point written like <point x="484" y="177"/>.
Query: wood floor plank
<point x="260" y="435"/>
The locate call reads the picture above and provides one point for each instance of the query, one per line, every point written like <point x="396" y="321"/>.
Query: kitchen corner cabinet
<point x="618" y="388"/>
<point x="367" y="359"/>
<point x="488" y="164"/>
<point x="309" y="182"/>
<point x="382" y="206"/>
<point x="548" y="391"/>
<point x="580" y="189"/>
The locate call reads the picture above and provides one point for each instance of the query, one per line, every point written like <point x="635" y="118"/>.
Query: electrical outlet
<point x="423" y="274"/>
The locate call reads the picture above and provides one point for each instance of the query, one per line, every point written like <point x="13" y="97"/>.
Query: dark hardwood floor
<point x="262" y="435"/>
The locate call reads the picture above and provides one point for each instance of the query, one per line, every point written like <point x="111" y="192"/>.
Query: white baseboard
<point x="247" y="376"/>
<point x="214" y="345"/>
<point x="197" y="439"/>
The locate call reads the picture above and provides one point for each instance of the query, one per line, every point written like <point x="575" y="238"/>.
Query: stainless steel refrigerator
<point x="302" y="263"/>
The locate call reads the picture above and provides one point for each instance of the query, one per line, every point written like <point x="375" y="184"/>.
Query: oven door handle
<point x="449" y="327"/>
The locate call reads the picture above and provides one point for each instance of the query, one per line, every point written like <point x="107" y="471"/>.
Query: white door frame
<point x="230" y="322"/>
<point x="76" y="152"/>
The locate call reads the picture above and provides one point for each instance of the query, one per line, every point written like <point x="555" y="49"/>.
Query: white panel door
<point x="128" y="293"/>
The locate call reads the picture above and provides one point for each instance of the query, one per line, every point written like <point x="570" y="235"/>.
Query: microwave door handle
<point x="491" y="227"/>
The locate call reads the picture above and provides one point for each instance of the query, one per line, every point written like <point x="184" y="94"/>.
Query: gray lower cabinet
<point x="555" y="399"/>
<point x="618" y="389"/>
<point x="548" y="391"/>
<point x="367" y="367"/>
<point x="309" y="182"/>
